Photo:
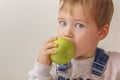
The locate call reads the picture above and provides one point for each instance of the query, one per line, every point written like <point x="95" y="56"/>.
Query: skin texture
<point x="79" y="28"/>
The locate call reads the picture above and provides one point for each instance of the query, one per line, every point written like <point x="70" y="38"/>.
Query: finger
<point x="50" y="45"/>
<point x="51" y="40"/>
<point x="50" y="51"/>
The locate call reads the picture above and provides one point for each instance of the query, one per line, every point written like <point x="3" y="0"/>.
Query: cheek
<point x="59" y="31"/>
<point x="86" y="40"/>
<point x="92" y="39"/>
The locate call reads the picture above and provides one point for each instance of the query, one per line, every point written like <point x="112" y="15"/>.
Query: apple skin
<point x="64" y="51"/>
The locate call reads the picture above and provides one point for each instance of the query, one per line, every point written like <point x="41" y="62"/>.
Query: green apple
<point x="64" y="51"/>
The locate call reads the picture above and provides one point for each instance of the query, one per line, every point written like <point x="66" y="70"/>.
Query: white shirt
<point x="78" y="68"/>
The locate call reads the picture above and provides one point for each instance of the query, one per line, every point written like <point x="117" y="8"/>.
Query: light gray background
<point x="25" y="24"/>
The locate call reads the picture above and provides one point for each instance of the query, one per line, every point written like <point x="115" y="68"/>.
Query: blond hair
<point x="102" y="10"/>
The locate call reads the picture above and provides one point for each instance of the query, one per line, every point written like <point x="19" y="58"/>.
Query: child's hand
<point x="46" y="50"/>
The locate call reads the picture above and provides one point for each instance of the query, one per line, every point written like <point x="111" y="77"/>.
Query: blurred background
<point x="25" y="24"/>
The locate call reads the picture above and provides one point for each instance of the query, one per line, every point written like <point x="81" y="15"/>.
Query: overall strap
<point x="63" y="68"/>
<point x="98" y="66"/>
<point x="99" y="63"/>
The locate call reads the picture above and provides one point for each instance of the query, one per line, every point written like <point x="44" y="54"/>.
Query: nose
<point x="68" y="32"/>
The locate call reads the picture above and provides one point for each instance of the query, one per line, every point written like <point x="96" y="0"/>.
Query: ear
<point x="103" y="32"/>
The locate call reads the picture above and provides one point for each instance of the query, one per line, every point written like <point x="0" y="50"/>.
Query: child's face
<point x="80" y="29"/>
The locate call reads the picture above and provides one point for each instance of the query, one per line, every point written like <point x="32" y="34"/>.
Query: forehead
<point x="77" y="11"/>
<point x="71" y="4"/>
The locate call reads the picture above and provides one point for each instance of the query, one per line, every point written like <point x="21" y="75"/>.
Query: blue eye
<point x="62" y="23"/>
<point x="79" y="25"/>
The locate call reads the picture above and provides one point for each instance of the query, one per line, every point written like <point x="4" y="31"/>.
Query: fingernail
<point x="55" y="38"/>
<point x="55" y="45"/>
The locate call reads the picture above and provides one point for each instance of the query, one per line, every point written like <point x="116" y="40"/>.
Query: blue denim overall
<point x="98" y="66"/>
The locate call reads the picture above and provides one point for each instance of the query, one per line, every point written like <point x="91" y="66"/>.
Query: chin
<point x="76" y="57"/>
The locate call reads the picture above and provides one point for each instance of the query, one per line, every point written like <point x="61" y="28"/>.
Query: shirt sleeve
<point x="40" y="72"/>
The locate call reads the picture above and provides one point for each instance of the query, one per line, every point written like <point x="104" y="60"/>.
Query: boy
<point x="85" y="23"/>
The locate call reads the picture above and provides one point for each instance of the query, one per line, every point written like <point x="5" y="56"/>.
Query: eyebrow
<point x="81" y="20"/>
<point x="60" y="18"/>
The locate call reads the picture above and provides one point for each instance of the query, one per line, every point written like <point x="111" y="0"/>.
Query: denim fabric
<point x="99" y="62"/>
<point x="97" y="68"/>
